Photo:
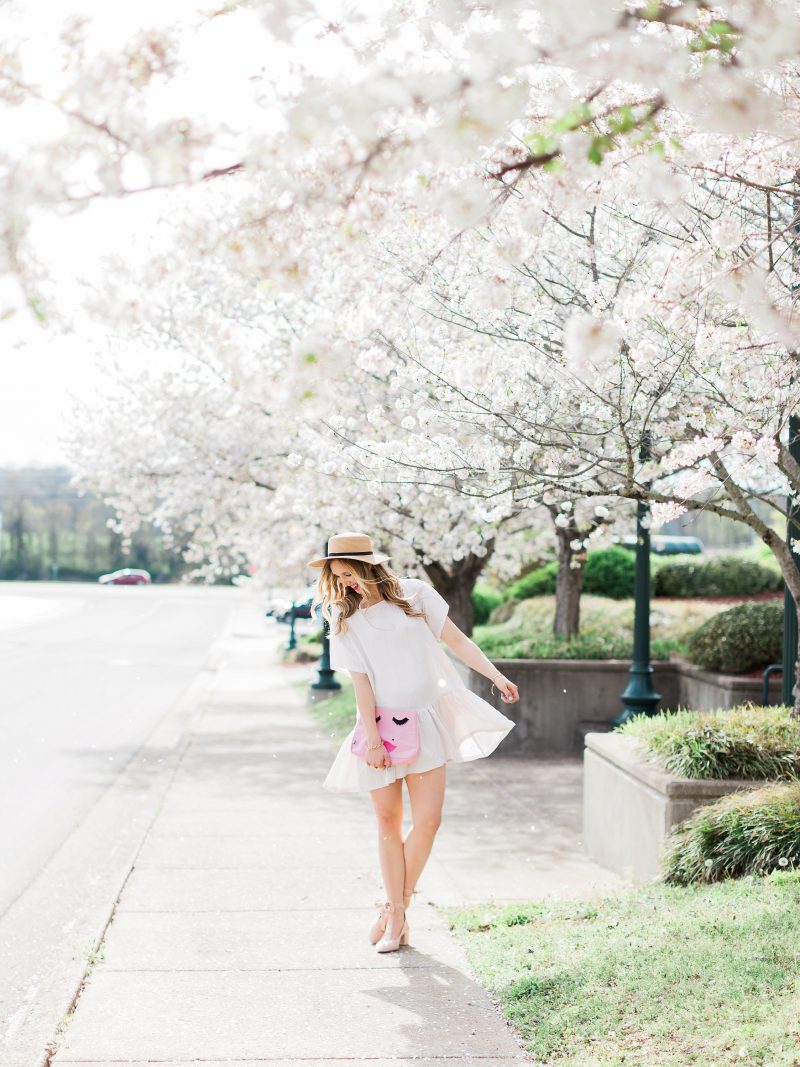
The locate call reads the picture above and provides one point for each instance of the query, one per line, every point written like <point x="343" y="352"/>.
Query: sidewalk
<point x="241" y="933"/>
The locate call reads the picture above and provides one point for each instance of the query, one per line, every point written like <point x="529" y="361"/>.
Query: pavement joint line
<point x="179" y="833"/>
<point x="245" y="911"/>
<point x="466" y="1058"/>
<point x="239" y="911"/>
<point x="243" y="867"/>
<point x="266" y="970"/>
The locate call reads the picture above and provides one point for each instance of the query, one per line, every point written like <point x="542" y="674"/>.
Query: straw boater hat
<point x="350" y="545"/>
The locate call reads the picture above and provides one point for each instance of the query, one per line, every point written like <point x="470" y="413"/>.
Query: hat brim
<point x="376" y="557"/>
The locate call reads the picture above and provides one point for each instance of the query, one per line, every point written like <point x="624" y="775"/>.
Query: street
<point x="87" y="673"/>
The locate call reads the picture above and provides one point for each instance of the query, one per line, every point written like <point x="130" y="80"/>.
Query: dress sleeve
<point x="343" y="653"/>
<point x="436" y="606"/>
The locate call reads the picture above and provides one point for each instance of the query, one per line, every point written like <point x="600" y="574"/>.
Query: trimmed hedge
<point x="722" y="576"/>
<point x="741" y="639"/>
<point x="484" y="601"/>
<point x="541" y="582"/>
<point x="741" y="742"/>
<point x="753" y="832"/>
<point x="609" y="572"/>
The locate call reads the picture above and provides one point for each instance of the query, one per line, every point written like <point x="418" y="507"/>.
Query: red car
<point x="126" y="576"/>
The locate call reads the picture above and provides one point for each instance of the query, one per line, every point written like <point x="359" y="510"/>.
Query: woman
<point x="385" y="631"/>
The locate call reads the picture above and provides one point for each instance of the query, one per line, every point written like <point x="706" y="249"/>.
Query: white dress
<point x="408" y="668"/>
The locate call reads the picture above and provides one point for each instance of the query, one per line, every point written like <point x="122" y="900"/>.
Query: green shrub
<point x="742" y="742"/>
<point x="609" y="572"/>
<point x="540" y="582"/>
<point x="741" y="639"/>
<point x="722" y="576"/>
<point x="753" y="832"/>
<point x="484" y="601"/>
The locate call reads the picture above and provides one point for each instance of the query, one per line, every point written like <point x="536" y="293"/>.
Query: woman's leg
<point x="388" y="803"/>
<point x="426" y="791"/>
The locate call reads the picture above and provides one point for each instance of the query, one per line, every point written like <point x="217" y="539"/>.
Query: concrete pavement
<point x="240" y="935"/>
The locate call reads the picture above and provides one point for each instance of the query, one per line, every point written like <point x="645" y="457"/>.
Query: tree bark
<point x="456" y="582"/>
<point x="569" y="583"/>
<point x="791" y="576"/>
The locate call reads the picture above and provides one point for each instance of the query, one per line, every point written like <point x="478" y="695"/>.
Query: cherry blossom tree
<point x="232" y="445"/>
<point x="610" y="377"/>
<point x="470" y="114"/>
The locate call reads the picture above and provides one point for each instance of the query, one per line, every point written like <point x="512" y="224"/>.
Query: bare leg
<point x="426" y="791"/>
<point x="388" y="803"/>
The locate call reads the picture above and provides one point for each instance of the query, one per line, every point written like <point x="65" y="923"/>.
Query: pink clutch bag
<point x="398" y="729"/>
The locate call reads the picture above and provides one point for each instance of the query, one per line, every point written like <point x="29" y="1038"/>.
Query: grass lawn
<point x="606" y="628"/>
<point x="337" y="713"/>
<point x="654" y="976"/>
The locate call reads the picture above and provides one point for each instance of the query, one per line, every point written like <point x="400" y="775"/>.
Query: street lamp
<point x="292" y="642"/>
<point x="789" y="608"/>
<point x="326" y="680"/>
<point x="639" y="695"/>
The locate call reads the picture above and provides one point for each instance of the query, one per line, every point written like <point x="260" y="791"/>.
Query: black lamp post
<point x="639" y="695"/>
<point x="292" y="642"/>
<point x="789" y="608"/>
<point x="326" y="679"/>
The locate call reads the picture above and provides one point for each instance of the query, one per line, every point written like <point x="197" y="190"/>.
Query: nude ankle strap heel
<point x="390" y="944"/>
<point x="378" y="927"/>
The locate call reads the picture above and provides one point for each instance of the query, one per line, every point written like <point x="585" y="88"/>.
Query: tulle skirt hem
<point x="457" y="727"/>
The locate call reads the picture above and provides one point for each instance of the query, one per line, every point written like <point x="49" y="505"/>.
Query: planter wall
<point x="563" y="700"/>
<point x="630" y="805"/>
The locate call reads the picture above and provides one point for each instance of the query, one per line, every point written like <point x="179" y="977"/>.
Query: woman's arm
<point x="365" y="700"/>
<point x="468" y="652"/>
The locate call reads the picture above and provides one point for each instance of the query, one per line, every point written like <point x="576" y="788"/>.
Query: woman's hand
<point x="507" y="688"/>
<point x="378" y="757"/>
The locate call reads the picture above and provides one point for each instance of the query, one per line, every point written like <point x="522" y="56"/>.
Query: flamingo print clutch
<point x="398" y="728"/>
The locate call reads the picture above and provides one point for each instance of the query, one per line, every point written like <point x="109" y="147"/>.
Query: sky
<point x="35" y="400"/>
<point x="225" y="64"/>
<point x="45" y="366"/>
<point x="42" y="369"/>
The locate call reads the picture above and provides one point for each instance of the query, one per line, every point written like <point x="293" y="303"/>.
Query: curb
<point x="53" y="932"/>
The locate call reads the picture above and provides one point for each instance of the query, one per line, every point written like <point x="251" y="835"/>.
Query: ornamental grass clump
<point x="752" y="832"/>
<point x="742" y="742"/>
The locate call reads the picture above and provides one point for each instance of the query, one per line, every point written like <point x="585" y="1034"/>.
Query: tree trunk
<point x="795" y="713"/>
<point x="569" y="583"/>
<point x="456" y="581"/>
<point x="791" y="576"/>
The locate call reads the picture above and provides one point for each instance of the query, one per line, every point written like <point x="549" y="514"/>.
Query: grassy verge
<point x="337" y="713"/>
<point x="660" y="975"/>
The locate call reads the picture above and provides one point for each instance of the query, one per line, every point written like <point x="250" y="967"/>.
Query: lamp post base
<point x="325" y="680"/>
<point x="639" y="696"/>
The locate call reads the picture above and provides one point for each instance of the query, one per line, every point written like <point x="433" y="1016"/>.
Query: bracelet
<point x="370" y="747"/>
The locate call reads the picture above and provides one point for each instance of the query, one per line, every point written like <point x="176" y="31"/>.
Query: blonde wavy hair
<point x="376" y="578"/>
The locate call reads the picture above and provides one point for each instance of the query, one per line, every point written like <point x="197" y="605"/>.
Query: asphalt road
<point x="86" y="673"/>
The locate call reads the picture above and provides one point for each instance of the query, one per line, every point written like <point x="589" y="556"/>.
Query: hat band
<point x="365" y="552"/>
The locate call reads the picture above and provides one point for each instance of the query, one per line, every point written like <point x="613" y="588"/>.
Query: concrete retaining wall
<point x="630" y="805"/>
<point x="562" y="700"/>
